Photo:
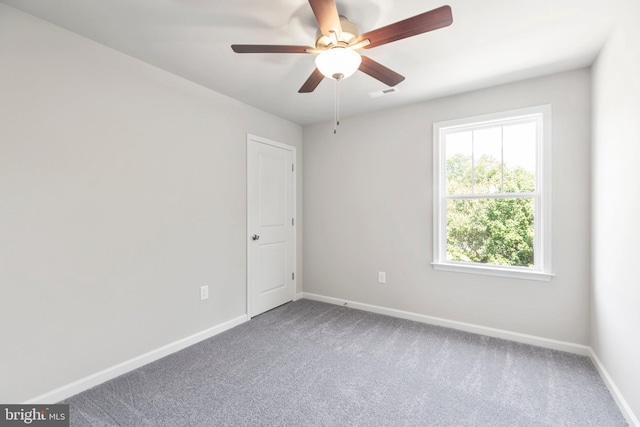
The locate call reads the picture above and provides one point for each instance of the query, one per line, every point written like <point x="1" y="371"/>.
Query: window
<point x="492" y="193"/>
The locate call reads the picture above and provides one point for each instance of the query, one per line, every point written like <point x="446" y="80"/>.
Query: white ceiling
<point x="490" y="42"/>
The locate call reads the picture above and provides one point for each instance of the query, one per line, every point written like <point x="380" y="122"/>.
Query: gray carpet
<point x="313" y="364"/>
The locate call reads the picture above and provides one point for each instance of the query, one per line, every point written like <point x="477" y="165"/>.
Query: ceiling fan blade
<point x="269" y="48"/>
<point x="380" y="72"/>
<point x="327" y="16"/>
<point x="312" y="82"/>
<point x="425" y="22"/>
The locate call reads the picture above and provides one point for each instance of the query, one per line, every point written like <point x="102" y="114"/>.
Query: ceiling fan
<point x="339" y="41"/>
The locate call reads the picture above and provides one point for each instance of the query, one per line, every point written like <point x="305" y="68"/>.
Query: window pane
<point x="458" y="167"/>
<point x="487" y="160"/>
<point x="520" y="157"/>
<point x="491" y="231"/>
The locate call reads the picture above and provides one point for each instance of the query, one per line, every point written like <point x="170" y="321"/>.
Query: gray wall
<point x="615" y="302"/>
<point x="122" y="191"/>
<point x="368" y="208"/>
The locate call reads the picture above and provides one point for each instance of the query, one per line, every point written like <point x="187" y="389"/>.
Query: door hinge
<point x="293" y="276"/>
<point x="293" y="221"/>
<point x="293" y="167"/>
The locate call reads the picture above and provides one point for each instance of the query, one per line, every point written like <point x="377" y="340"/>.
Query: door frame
<point x="258" y="139"/>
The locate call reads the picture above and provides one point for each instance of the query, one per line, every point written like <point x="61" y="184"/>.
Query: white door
<point x="271" y="224"/>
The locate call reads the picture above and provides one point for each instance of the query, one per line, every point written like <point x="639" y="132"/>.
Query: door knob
<point x="255" y="237"/>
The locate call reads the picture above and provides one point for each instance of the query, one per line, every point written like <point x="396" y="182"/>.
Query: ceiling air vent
<point x="383" y="92"/>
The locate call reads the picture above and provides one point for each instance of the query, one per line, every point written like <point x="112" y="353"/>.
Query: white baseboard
<point x="582" y="350"/>
<point x="86" y="383"/>
<point x="615" y="392"/>
<point x="298" y="296"/>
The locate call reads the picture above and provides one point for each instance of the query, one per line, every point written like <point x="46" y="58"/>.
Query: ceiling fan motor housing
<point x="349" y="35"/>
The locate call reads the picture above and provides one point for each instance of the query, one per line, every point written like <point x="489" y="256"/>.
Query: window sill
<point x="493" y="271"/>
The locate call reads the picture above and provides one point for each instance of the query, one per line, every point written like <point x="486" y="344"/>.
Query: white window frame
<point x="542" y="196"/>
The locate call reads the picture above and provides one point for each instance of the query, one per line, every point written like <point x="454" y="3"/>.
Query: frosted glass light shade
<point x="338" y="63"/>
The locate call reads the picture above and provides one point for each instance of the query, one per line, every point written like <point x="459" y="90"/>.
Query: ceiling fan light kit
<point x="339" y="40"/>
<point x="338" y="63"/>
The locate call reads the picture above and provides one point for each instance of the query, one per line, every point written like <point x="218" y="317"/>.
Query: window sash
<point x="536" y="119"/>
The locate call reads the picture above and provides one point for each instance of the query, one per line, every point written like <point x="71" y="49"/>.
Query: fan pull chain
<point x="336" y="107"/>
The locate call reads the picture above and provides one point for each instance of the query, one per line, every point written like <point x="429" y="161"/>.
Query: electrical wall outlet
<point x="204" y="292"/>
<point x="382" y="277"/>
